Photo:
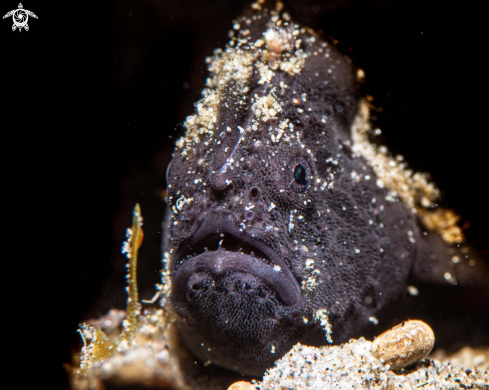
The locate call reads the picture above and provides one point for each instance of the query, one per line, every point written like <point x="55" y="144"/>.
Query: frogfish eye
<point x="299" y="174"/>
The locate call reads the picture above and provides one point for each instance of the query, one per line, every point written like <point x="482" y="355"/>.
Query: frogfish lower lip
<point x="271" y="269"/>
<point x="222" y="261"/>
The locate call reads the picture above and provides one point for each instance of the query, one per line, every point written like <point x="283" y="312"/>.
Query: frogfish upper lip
<point x="277" y="274"/>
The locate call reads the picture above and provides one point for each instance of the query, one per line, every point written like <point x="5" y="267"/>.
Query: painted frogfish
<point x="287" y="223"/>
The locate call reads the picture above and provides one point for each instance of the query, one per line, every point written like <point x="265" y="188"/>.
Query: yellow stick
<point x="135" y="239"/>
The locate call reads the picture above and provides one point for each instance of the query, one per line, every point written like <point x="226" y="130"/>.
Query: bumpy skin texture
<point x="324" y="236"/>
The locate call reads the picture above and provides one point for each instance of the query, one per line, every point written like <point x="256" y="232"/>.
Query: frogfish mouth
<point x="218" y="247"/>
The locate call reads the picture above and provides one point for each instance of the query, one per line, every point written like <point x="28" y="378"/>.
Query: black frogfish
<point x="287" y="223"/>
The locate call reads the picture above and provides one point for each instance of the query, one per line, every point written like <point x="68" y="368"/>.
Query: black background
<point x="93" y="96"/>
